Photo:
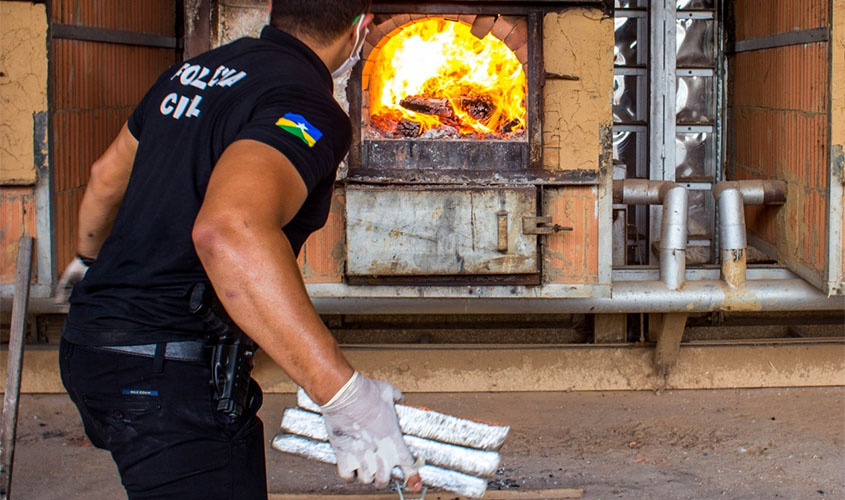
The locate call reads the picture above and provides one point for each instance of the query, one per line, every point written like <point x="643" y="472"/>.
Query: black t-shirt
<point x="273" y="89"/>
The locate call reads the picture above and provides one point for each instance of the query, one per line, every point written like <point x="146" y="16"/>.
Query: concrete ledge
<point x="545" y="368"/>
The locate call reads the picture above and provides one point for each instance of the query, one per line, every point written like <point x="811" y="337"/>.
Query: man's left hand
<point x="73" y="274"/>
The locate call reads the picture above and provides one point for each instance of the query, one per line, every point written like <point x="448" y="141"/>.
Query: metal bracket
<point x="536" y="225"/>
<point x="400" y="487"/>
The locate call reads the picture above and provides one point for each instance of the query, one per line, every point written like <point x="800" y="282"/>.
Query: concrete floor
<point x="728" y="444"/>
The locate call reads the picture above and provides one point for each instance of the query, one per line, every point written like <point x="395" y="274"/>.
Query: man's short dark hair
<point x="319" y="20"/>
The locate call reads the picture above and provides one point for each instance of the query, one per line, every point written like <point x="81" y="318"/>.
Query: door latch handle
<point x="539" y="225"/>
<point x="502" y="218"/>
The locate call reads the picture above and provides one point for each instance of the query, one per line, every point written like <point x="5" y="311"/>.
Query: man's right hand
<point x="73" y="274"/>
<point x="364" y="431"/>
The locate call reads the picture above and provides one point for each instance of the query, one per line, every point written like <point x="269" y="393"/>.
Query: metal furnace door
<point x="435" y="231"/>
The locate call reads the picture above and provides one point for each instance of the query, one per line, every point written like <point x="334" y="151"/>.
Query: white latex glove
<point x="364" y="432"/>
<point x="73" y="274"/>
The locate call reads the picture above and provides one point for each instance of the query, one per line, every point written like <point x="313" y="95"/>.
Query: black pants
<point x="161" y="428"/>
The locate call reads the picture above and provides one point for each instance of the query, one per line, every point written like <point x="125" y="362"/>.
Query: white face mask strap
<point x="355" y="55"/>
<point x="358" y="37"/>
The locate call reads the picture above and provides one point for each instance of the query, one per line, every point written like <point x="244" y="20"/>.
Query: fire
<point x="435" y="75"/>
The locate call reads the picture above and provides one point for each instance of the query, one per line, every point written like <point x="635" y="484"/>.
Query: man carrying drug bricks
<point x="218" y="177"/>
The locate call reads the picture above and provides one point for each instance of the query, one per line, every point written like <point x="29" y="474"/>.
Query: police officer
<point x="219" y="176"/>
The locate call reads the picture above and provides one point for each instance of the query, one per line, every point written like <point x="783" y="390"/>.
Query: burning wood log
<point x="408" y="128"/>
<point x="436" y="106"/>
<point x="509" y="126"/>
<point x="477" y="107"/>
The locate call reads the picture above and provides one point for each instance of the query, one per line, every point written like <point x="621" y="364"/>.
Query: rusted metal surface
<point x="536" y="75"/>
<point x="502" y="217"/>
<point x="397" y="156"/>
<point x="755" y="192"/>
<point x="13" y="370"/>
<point x="437" y="231"/>
<point x="488" y="175"/>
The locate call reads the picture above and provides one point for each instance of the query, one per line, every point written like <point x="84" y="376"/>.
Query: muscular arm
<point x="253" y="192"/>
<point x="106" y="187"/>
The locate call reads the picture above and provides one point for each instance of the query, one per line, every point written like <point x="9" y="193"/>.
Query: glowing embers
<point x="434" y="79"/>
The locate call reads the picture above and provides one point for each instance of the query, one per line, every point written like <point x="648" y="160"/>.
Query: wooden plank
<point x="553" y="494"/>
<point x="13" y="370"/>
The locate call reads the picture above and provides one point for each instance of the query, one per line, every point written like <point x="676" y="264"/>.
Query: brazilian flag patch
<point x="300" y="127"/>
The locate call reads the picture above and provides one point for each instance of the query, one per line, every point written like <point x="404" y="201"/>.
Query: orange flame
<point x="436" y="58"/>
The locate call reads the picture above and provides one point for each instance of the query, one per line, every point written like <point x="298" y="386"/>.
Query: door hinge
<point x="539" y="225"/>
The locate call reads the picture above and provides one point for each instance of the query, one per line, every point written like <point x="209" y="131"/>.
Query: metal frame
<point x="522" y="159"/>
<point x="87" y="33"/>
<point x="782" y="40"/>
<point x="836" y="191"/>
<point x="628" y="297"/>
<point x="662" y="81"/>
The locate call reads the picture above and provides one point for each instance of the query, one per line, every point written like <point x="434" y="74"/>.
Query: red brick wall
<point x="778" y="129"/>
<point x="17" y="217"/>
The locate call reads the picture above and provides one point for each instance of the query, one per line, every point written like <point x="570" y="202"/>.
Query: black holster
<point x="232" y="352"/>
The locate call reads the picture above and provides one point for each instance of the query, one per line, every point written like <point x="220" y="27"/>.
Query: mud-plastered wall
<point x="23" y="122"/>
<point x="23" y="89"/>
<point x="578" y="46"/>
<point x="578" y="95"/>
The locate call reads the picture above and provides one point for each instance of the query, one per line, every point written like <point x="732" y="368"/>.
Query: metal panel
<point x="112" y="36"/>
<point x="662" y="71"/>
<point x="411" y="231"/>
<point x="836" y="203"/>
<point x="782" y="40"/>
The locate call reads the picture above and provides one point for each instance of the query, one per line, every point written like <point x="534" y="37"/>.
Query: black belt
<point x="186" y="350"/>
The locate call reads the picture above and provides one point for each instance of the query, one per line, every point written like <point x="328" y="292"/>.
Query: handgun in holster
<point x="232" y="352"/>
